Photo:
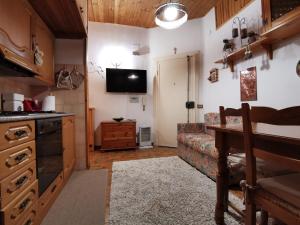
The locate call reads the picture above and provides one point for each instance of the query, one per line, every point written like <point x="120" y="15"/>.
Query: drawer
<point x="17" y="182"/>
<point x="49" y="195"/>
<point x="15" y="133"/>
<point x="14" y="212"/>
<point x="114" y="126"/>
<point x="31" y="217"/>
<point x="14" y="158"/>
<point x="118" y="144"/>
<point x="116" y="135"/>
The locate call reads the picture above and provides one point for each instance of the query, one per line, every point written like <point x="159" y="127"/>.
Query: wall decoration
<point x="68" y="76"/>
<point x="298" y="68"/>
<point x="248" y="81"/>
<point x="213" y="75"/>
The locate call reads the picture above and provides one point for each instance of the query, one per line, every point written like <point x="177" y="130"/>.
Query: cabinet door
<point x="44" y="39"/>
<point x="68" y="144"/>
<point x="15" y="30"/>
<point x="83" y="7"/>
<point x="277" y="12"/>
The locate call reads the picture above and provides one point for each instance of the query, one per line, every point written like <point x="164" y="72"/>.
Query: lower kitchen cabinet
<point x="68" y="144"/>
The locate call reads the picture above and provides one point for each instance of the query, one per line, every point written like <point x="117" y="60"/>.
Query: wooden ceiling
<point x="139" y="13"/>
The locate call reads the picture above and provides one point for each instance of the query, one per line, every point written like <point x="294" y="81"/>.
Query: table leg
<point x="222" y="179"/>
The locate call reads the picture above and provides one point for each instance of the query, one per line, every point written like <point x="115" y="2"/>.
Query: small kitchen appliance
<point x="12" y="102"/>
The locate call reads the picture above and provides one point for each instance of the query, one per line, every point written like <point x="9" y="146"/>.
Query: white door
<point x="172" y="91"/>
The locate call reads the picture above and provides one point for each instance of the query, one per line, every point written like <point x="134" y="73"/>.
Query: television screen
<point x="126" y="80"/>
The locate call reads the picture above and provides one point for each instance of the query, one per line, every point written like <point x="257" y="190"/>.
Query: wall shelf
<point x="288" y="28"/>
<point x="262" y="44"/>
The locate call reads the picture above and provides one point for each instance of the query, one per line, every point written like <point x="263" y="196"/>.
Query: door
<point x="172" y="94"/>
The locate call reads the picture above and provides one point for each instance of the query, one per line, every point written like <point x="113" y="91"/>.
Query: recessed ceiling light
<point x="171" y="15"/>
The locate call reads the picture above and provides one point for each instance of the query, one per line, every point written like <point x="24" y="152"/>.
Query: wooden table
<point x="282" y="139"/>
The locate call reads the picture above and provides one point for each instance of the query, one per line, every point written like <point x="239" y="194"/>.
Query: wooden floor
<point x="105" y="159"/>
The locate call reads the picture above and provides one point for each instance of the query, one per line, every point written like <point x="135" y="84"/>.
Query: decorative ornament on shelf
<point x="213" y="75"/>
<point x="248" y="53"/>
<point x="239" y="29"/>
<point x="171" y="15"/>
<point x="298" y="68"/>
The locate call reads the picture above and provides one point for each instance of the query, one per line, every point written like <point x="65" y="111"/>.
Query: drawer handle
<point x="53" y="189"/>
<point x="28" y="222"/>
<point x="17" y="133"/>
<point x="20" y="133"/>
<point x="24" y="205"/>
<point x="17" y="159"/>
<point x="21" y="181"/>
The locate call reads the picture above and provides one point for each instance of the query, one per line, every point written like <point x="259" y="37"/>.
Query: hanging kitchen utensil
<point x="76" y="78"/>
<point x="63" y="79"/>
<point x="235" y="29"/>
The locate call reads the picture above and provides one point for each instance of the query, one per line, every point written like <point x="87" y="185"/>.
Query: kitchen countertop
<point x="32" y="116"/>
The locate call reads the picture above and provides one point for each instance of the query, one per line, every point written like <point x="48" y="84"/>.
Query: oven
<point x="49" y="151"/>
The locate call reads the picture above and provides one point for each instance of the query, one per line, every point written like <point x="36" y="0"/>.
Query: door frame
<point x="156" y="86"/>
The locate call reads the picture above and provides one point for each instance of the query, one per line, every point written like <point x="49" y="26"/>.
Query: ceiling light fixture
<point x="171" y="15"/>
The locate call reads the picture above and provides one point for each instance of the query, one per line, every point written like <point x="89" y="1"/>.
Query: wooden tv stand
<point x="118" y="135"/>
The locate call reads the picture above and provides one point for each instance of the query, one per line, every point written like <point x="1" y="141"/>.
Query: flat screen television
<point x="126" y="80"/>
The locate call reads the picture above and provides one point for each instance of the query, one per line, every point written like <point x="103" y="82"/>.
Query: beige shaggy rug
<point x="162" y="191"/>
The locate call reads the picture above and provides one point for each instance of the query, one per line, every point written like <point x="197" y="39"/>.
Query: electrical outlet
<point x="199" y="106"/>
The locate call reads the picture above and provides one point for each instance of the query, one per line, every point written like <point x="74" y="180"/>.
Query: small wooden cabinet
<point x="118" y="135"/>
<point x="279" y="12"/>
<point x="68" y="145"/>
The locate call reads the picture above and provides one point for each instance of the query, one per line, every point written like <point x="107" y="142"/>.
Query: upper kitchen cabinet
<point x="64" y="18"/>
<point x="83" y="9"/>
<point x="43" y="39"/>
<point x="15" y="33"/>
<point x="281" y="18"/>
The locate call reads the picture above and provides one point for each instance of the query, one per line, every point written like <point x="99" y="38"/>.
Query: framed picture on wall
<point x="248" y="82"/>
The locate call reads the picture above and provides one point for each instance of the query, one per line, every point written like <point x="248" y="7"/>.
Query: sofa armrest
<point x="190" y="128"/>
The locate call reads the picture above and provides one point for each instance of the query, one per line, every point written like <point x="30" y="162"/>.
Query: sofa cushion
<point x="200" y="142"/>
<point x="286" y="188"/>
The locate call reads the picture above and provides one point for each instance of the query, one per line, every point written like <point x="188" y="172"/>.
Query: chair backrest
<point x="288" y="117"/>
<point x="229" y="112"/>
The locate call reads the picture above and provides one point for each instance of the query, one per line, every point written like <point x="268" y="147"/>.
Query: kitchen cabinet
<point x="278" y="13"/>
<point x="44" y="39"/>
<point x="68" y="144"/>
<point x="15" y="32"/>
<point x="83" y="7"/>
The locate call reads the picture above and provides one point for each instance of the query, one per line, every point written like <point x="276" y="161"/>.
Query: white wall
<point x="277" y="86"/>
<point x="108" y="44"/>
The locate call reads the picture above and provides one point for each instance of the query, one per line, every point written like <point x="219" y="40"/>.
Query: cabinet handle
<point x="28" y="222"/>
<point x="53" y="189"/>
<point x="20" y="133"/>
<point x="21" y="181"/>
<point x="17" y="211"/>
<point x="15" y="160"/>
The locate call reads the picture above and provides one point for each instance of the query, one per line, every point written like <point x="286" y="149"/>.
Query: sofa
<point x="196" y="146"/>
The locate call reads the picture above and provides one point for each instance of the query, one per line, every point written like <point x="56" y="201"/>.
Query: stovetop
<point x="23" y="113"/>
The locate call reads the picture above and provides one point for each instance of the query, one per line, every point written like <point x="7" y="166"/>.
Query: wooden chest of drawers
<point x="118" y="135"/>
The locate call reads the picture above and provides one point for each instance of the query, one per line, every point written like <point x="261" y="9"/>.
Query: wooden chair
<point x="279" y="195"/>
<point x="224" y="113"/>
